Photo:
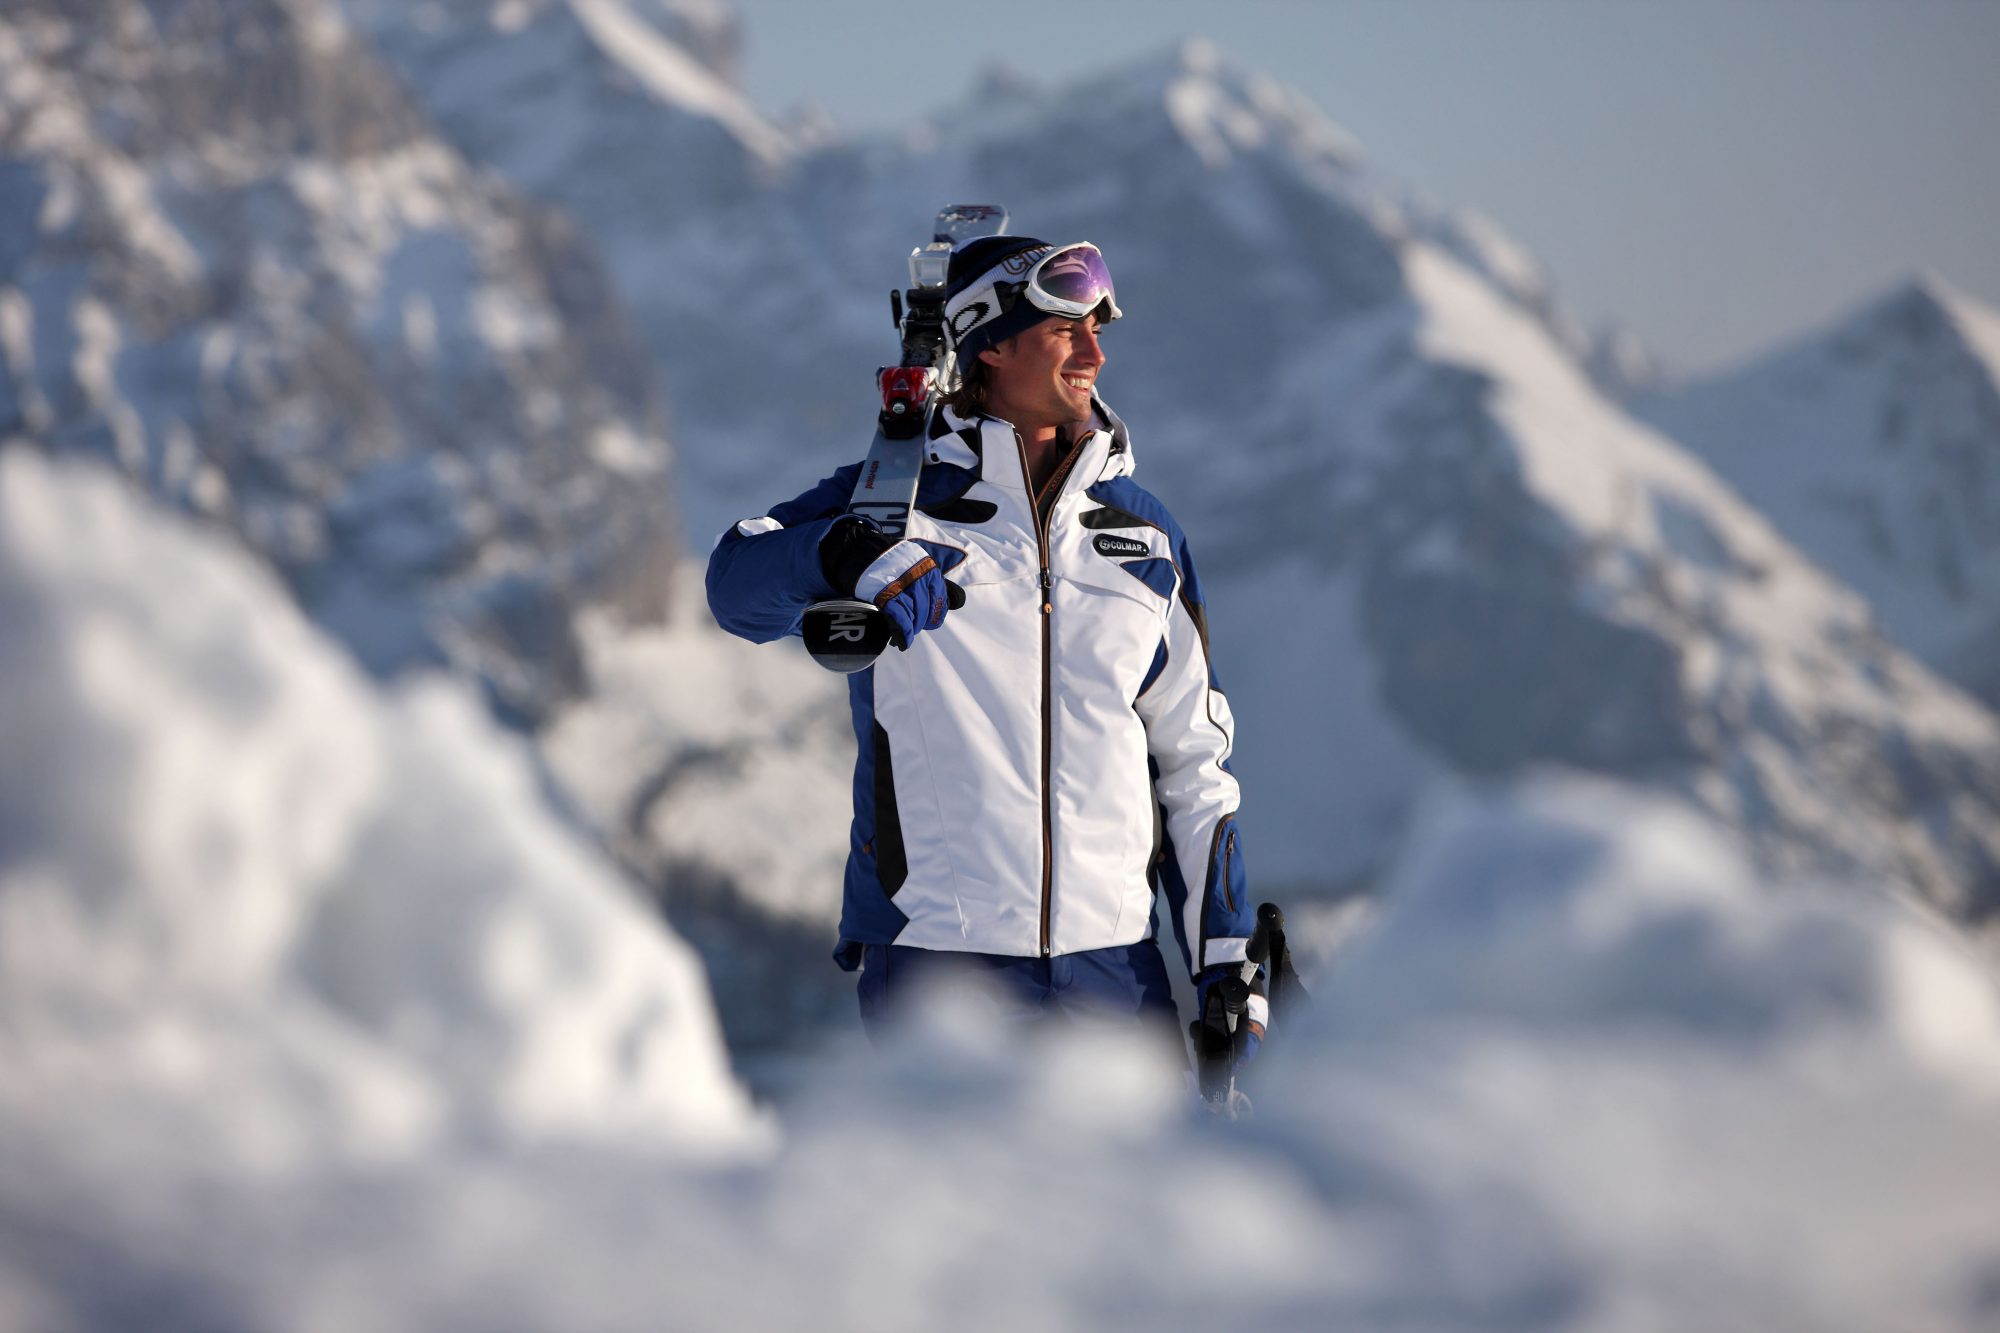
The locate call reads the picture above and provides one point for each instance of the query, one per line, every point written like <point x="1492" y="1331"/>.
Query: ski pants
<point x="1122" y="987"/>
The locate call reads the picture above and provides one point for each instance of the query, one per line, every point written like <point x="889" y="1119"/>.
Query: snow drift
<point x="313" y="1019"/>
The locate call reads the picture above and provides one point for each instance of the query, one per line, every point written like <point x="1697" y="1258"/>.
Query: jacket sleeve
<point x="764" y="572"/>
<point x="1189" y="735"/>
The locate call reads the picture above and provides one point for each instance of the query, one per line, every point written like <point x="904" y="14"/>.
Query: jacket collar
<point x="970" y="441"/>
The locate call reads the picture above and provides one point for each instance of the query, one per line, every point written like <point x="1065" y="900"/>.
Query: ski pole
<point x="1286" y="992"/>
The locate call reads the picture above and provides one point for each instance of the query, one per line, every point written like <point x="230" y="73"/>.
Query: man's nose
<point x="1087" y="348"/>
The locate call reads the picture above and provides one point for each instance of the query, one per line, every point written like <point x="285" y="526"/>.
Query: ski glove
<point x="1250" y="1026"/>
<point x="863" y="562"/>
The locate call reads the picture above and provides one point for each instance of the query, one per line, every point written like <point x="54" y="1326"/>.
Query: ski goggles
<point x="1071" y="281"/>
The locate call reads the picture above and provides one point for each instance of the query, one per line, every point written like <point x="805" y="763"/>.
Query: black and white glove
<point x="900" y="577"/>
<point x="1250" y="1024"/>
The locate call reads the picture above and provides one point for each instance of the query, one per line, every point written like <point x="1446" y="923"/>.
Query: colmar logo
<point x="1119" y="548"/>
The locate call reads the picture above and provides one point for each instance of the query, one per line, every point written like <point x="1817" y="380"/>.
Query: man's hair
<point x="975" y="377"/>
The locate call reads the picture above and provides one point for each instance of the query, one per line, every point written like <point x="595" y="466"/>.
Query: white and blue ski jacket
<point x="1031" y="770"/>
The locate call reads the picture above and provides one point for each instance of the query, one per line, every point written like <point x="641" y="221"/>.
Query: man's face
<point x="1042" y="376"/>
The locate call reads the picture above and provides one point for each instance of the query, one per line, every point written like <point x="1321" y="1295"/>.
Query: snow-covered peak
<point x="1221" y="107"/>
<point x="1923" y="325"/>
<point x="705" y="29"/>
<point x="1265" y="202"/>
<point x="1978" y="322"/>
<point x="685" y="54"/>
<point x="1873" y="444"/>
<point x="1214" y="107"/>
<point x="526" y="84"/>
<point x="668" y="72"/>
<point x="1928" y="314"/>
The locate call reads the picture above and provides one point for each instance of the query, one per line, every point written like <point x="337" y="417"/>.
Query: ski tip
<point x="959" y="223"/>
<point x="845" y="635"/>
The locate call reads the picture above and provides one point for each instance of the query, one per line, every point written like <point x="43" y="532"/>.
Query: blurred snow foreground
<point x="314" y="1018"/>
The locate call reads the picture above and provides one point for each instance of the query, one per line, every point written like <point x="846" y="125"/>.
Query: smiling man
<point x="1045" y="756"/>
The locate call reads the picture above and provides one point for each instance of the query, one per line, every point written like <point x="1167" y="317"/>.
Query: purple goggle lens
<point x="1076" y="276"/>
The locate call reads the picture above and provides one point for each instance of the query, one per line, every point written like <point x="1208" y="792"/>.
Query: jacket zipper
<point x="1224" y="841"/>
<point x="1048" y="743"/>
<point x="1048" y="746"/>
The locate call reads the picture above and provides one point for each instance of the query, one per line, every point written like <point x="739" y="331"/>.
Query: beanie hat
<point x="977" y="263"/>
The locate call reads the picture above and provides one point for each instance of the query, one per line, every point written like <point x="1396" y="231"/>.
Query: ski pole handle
<point x="1284" y="979"/>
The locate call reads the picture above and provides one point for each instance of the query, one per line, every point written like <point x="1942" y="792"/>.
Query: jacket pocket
<point x="1225" y="867"/>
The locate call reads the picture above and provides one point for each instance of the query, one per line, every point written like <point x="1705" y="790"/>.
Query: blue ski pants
<point x="1119" y="987"/>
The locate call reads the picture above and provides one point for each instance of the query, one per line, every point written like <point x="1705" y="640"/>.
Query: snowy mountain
<point x="1510" y="572"/>
<point x="1875" y="447"/>
<point x="1433" y="542"/>
<point x="238" y="264"/>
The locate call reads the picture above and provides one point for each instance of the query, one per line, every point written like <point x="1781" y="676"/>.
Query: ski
<point x="843" y="634"/>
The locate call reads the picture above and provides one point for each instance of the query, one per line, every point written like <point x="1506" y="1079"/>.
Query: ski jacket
<point x="1031" y="771"/>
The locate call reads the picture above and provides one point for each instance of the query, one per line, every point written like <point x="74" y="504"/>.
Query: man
<point x="1045" y="750"/>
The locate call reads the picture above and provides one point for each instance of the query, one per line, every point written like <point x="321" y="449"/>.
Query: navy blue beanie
<point x="973" y="265"/>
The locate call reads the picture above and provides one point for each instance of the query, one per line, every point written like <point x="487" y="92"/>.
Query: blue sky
<point x="1716" y="174"/>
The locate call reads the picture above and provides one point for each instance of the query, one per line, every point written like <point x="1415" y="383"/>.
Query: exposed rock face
<point x="236" y="262"/>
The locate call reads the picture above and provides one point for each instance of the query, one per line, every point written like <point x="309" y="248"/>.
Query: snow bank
<point x="269" y="940"/>
<point x="241" y="888"/>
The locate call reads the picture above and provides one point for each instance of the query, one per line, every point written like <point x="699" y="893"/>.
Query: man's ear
<point x="991" y="355"/>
